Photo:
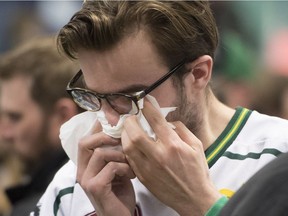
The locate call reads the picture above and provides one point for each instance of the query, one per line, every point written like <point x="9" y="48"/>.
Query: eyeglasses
<point x="120" y="102"/>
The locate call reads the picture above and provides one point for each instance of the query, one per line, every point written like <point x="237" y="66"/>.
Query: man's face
<point x="132" y="66"/>
<point x="22" y="120"/>
<point x="129" y="67"/>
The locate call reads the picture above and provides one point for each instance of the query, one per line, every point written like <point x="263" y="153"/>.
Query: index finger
<point x="158" y="123"/>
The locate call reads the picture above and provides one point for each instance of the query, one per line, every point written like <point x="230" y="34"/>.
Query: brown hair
<point x="40" y="60"/>
<point x="178" y="29"/>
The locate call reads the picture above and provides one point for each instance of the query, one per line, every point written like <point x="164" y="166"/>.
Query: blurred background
<point x="21" y="20"/>
<point x="251" y="67"/>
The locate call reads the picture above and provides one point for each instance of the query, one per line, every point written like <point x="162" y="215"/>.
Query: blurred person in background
<point x="235" y="78"/>
<point x="271" y="86"/>
<point x="33" y="105"/>
<point x="236" y="54"/>
<point x="271" y="94"/>
<point x="10" y="173"/>
<point x="23" y="20"/>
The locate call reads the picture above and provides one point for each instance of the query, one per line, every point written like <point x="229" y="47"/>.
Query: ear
<point x="199" y="71"/>
<point x="64" y="109"/>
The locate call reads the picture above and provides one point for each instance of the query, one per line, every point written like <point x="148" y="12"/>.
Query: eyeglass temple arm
<point x="164" y="78"/>
<point x="75" y="78"/>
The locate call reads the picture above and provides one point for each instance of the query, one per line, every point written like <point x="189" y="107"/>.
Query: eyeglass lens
<point x="86" y="100"/>
<point x="120" y="103"/>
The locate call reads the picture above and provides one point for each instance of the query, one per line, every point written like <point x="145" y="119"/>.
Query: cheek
<point x="29" y="133"/>
<point x="30" y="127"/>
<point x="166" y="94"/>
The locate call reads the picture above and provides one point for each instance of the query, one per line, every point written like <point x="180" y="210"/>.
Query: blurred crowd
<point x="33" y="101"/>
<point x="251" y="67"/>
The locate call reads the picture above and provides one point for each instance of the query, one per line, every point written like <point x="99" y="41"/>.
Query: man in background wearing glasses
<point x="127" y="50"/>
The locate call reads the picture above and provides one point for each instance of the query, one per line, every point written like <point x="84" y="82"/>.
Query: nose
<point x="111" y="115"/>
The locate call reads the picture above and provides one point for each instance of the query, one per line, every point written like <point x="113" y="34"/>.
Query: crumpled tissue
<point x="82" y="124"/>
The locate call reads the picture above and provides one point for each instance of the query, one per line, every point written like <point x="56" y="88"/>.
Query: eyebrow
<point x="127" y="90"/>
<point x="133" y="88"/>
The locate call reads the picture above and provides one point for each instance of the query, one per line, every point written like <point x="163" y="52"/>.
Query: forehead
<point x="134" y="60"/>
<point x="15" y="93"/>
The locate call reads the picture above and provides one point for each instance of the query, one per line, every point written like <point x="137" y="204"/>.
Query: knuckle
<point x="95" y="187"/>
<point x="92" y="188"/>
<point x="136" y="138"/>
<point x="99" y="154"/>
<point x="111" y="165"/>
<point x="127" y="148"/>
<point x="82" y="143"/>
<point x="83" y="185"/>
<point x="175" y="148"/>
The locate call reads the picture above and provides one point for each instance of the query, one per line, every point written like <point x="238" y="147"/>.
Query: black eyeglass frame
<point x="134" y="97"/>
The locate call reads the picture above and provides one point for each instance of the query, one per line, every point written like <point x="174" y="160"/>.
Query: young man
<point x="34" y="104"/>
<point x="125" y="50"/>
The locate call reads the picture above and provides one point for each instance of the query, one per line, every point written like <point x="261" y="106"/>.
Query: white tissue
<point x="81" y="125"/>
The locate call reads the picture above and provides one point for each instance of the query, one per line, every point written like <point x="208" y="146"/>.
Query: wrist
<point x="217" y="206"/>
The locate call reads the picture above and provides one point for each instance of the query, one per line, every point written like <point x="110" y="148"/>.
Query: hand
<point x="173" y="168"/>
<point x="104" y="175"/>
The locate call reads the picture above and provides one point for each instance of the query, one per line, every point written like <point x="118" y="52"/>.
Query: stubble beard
<point x="42" y="148"/>
<point x="187" y="112"/>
